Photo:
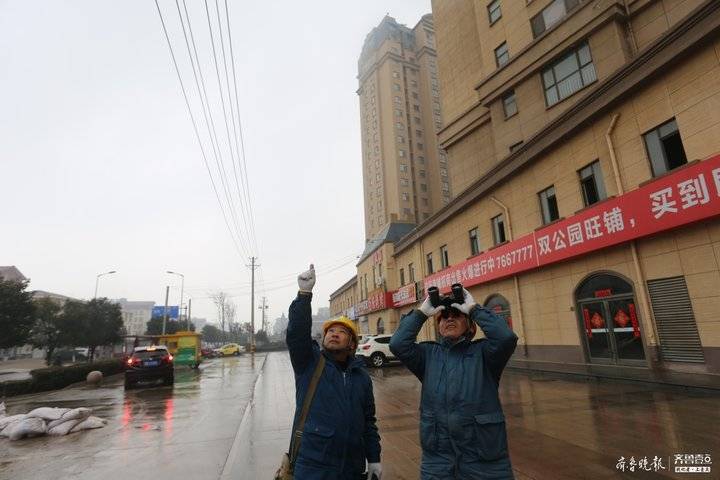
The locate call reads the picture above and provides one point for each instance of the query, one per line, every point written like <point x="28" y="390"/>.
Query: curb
<point x="235" y="448"/>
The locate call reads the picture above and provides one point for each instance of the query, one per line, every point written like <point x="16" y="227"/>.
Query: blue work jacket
<point x="340" y="432"/>
<point x="462" y="425"/>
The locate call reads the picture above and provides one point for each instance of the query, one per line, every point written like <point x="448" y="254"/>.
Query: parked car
<point x="230" y="349"/>
<point x="149" y="363"/>
<point x="375" y="349"/>
<point x="208" y="352"/>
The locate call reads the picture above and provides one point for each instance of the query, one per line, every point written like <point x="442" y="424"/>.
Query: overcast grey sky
<point x="100" y="169"/>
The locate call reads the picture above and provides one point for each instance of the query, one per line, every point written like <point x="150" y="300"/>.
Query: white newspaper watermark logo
<point x="678" y="463"/>
<point x="692" y="463"/>
<point x="643" y="464"/>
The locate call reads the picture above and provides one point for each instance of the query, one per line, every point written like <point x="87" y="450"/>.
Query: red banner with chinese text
<point x="404" y="295"/>
<point x="377" y="300"/>
<point x="687" y="195"/>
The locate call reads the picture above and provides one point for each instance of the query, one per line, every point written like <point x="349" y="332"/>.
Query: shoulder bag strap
<point x="297" y="434"/>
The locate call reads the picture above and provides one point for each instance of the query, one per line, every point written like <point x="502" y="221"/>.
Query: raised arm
<point x="299" y="337"/>
<point x="500" y="341"/>
<point x="403" y="342"/>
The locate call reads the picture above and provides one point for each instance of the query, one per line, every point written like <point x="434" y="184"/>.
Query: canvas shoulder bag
<point x="285" y="472"/>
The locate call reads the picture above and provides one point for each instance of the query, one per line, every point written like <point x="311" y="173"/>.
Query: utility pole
<point x="252" y="266"/>
<point x="189" y="312"/>
<point x="264" y="307"/>
<point x="165" y="312"/>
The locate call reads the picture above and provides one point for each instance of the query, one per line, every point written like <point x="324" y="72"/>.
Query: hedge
<point x="53" y="378"/>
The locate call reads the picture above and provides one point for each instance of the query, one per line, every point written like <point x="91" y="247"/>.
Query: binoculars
<point x="456" y="296"/>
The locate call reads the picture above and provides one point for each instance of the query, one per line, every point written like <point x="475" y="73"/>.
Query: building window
<point x="415" y="95"/>
<point x="421" y="159"/>
<point x="548" y="205"/>
<point x="405" y="197"/>
<point x="591" y="184"/>
<point x="421" y="173"/>
<point x="400" y="139"/>
<point x="403" y="167"/>
<point x="498" y="228"/>
<point x="406" y="212"/>
<point x="416" y="108"/>
<point x="396" y="75"/>
<point x="551" y="15"/>
<point x="502" y="55"/>
<point x="404" y="182"/>
<point x="474" y="242"/>
<point x="420" y="146"/>
<point x="429" y="263"/>
<point x="423" y="187"/>
<point x="402" y="277"/>
<point x="569" y="74"/>
<point x="418" y="133"/>
<point x="399" y="125"/>
<point x="396" y="87"/>
<point x="516" y="146"/>
<point x="444" y="257"/>
<point x="401" y="153"/>
<point x="417" y="120"/>
<point x="411" y="272"/>
<point x="424" y="201"/>
<point x="413" y="83"/>
<point x="398" y="113"/>
<point x="397" y="99"/>
<point x="494" y="13"/>
<point x="509" y="104"/>
<point x="665" y="148"/>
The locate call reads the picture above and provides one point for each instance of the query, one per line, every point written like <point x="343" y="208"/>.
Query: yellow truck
<point x="184" y="347"/>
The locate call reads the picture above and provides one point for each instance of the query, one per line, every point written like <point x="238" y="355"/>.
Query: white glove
<point x="428" y="309"/>
<point x="467" y="305"/>
<point x="374" y="469"/>
<point x="306" y="280"/>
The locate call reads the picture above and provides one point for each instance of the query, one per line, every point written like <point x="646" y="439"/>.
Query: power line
<point x="195" y="129"/>
<point x="207" y="112"/>
<point x="232" y="114"/>
<point x="224" y="110"/>
<point x="332" y="266"/>
<point x="270" y="289"/>
<point x="239" y="133"/>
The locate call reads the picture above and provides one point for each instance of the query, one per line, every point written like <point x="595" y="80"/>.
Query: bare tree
<point x="220" y="299"/>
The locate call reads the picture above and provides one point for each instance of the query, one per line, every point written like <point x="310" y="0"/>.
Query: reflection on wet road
<point x="183" y="431"/>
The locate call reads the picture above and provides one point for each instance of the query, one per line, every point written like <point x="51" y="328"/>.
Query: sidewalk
<point x="557" y="428"/>
<point x="19" y="369"/>
<point x="265" y="431"/>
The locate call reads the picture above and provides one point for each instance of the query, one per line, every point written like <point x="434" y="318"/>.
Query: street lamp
<point x="97" y="280"/>
<point x="182" y="290"/>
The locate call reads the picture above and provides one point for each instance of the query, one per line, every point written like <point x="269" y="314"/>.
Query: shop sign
<point x="685" y="196"/>
<point x="606" y="292"/>
<point x="377" y="300"/>
<point x="350" y="313"/>
<point x="377" y="256"/>
<point x="404" y="295"/>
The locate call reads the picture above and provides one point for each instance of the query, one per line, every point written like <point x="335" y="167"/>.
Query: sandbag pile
<point x="47" y="420"/>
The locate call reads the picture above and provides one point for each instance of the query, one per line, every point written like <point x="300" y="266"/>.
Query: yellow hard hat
<point x="345" y="322"/>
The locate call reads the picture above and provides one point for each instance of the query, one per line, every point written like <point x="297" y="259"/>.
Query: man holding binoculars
<point x="462" y="426"/>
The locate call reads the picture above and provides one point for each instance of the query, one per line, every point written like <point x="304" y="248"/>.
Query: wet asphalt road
<point x="180" y="432"/>
<point x="558" y="428"/>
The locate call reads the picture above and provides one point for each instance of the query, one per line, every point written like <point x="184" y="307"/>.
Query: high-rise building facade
<point x="135" y="315"/>
<point x="583" y="144"/>
<point x="404" y="173"/>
